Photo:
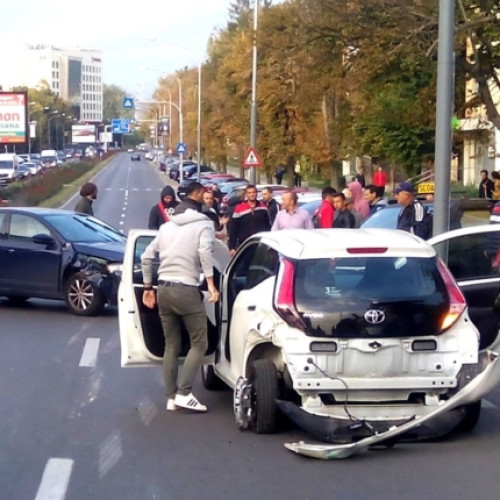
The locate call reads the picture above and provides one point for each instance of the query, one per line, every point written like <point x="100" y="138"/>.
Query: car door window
<point x="140" y="245"/>
<point x="24" y="227"/>
<point x="264" y="264"/>
<point x="472" y="256"/>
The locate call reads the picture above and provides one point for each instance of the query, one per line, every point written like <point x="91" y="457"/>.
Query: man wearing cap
<point x="413" y="217"/>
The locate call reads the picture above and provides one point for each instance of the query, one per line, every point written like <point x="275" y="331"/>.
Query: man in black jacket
<point x="162" y="211"/>
<point x="249" y="217"/>
<point x="486" y="185"/>
<point x="413" y="217"/>
<point x="343" y="216"/>
<point x="272" y="205"/>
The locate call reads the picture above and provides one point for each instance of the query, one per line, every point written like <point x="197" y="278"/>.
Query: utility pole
<point x="444" y="107"/>
<point x="253" y="106"/>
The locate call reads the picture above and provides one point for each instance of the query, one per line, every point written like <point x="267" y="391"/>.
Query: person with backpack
<point x="413" y="217"/>
<point x="163" y="211"/>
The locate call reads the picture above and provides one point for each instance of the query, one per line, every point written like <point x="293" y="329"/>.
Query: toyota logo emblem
<point x="374" y="316"/>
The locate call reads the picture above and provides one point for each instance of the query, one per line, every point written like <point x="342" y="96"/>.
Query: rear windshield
<point x="333" y="295"/>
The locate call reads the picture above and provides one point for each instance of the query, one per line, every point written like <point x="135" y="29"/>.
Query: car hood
<point x="112" y="251"/>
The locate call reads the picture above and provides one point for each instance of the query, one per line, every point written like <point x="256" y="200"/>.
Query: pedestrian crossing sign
<point x="252" y="159"/>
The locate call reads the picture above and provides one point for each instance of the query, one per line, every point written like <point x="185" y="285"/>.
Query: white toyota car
<point x="362" y="337"/>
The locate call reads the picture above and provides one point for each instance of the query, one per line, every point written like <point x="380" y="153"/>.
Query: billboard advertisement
<point x="13" y="118"/>
<point x="83" y="134"/>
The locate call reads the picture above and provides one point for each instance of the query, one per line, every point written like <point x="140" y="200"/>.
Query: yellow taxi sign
<point x="425" y="188"/>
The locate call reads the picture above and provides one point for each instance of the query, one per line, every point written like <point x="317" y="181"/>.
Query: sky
<point x="121" y="31"/>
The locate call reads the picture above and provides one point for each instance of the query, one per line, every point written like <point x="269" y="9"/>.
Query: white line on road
<point x="89" y="354"/>
<point x="55" y="479"/>
<point x="110" y="453"/>
<point x="487" y="404"/>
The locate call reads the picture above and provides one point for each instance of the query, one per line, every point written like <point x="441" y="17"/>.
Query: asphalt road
<point x="75" y="425"/>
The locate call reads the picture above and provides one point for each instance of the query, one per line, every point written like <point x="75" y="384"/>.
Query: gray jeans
<point x="178" y="304"/>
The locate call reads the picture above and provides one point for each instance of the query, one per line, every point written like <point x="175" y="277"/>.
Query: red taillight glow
<point x="285" y="300"/>
<point x="367" y="250"/>
<point x="457" y="299"/>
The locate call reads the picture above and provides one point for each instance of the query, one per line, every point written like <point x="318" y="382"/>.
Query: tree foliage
<point x="337" y="79"/>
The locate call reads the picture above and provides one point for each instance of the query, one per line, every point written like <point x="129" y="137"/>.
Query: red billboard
<point x="13" y="117"/>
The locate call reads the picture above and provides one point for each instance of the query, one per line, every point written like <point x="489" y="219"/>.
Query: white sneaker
<point x="171" y="405"/>
<point x="189" y="402"/>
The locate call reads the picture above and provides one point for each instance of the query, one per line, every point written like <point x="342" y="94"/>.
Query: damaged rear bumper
<point x="355" y="437"/>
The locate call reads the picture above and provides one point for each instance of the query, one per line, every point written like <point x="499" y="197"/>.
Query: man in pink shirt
<point x="291" y="216"/>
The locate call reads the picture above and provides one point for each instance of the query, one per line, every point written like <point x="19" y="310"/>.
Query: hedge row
<point x="33" y="191"/>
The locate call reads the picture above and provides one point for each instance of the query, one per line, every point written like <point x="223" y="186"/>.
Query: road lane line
<point x="110" y="453"/>
<point x="487" y="404"/>
<point x="89" y="354"/>
<point x="55" y="479"/>
<point x="147" y="410"/>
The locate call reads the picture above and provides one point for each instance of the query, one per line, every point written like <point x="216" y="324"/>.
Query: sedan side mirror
<point x="44" y="239"/>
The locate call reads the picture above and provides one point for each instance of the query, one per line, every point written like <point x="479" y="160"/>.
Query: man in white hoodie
<point x="185" y="247"/>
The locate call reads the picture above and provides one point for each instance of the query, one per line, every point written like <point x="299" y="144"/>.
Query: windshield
<point x="6" y="164"/>
<point x="79" y="228"/>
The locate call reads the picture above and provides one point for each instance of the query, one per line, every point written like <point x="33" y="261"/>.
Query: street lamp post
<point x="30" y="113"/>
<point x="180" y="105"/>
<point x="54" y="115"/>
<point x="253" y="106"/>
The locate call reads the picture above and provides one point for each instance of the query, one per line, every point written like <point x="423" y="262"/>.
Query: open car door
<point x="473" y="257"/>
<point x="141" y="334"/>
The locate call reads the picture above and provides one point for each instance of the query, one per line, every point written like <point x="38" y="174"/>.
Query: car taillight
<point x="457" y="299"/>
<point x="285" y="297"/>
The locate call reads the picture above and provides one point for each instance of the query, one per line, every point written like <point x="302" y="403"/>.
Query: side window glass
<point x="240" y="270"/>
<point x="473" y="255"/>
<point x="264" y="264"/>
<point x="2" y="228"/>
<point x="24" y="227"/>
<point x="140" y="245"/>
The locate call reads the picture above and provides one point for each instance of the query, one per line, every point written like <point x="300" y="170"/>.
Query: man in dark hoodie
<point x="162" y="211"/>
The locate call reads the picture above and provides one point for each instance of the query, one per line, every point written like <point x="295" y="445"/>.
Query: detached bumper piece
<point x="357" y="436"/>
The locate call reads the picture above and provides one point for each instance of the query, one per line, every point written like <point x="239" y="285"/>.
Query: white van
<point x="49" y="158"/>
<point x="9" y="167"/>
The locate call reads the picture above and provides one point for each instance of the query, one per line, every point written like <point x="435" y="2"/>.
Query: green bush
<point x="32" y="192"/>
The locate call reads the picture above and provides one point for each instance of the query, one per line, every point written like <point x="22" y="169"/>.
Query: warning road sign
<point x="252" y="159"/>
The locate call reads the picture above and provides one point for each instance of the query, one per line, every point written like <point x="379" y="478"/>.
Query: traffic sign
<point x="252" y="159"/>
<point x="128" y="102"/>
<point x="120" y="126"/>
<point x="181" y="148"/>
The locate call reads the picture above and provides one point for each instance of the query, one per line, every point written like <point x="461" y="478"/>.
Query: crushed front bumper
<point x="358" y="436"/>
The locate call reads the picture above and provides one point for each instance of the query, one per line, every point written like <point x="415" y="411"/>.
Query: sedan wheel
<point x="82" y="297"/>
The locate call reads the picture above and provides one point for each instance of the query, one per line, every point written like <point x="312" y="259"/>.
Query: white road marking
<point x="89" y="354"/>
<point x="147" y="410"/>
<point x="110" y="453"/>
<point x="55" y="479"/>
<point x="121" y="223"/>
<point x="487" y="404"/>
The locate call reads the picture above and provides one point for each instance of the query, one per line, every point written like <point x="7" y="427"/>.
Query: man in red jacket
<point x="325" y="214"/>
<point x="249" y="217"/>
